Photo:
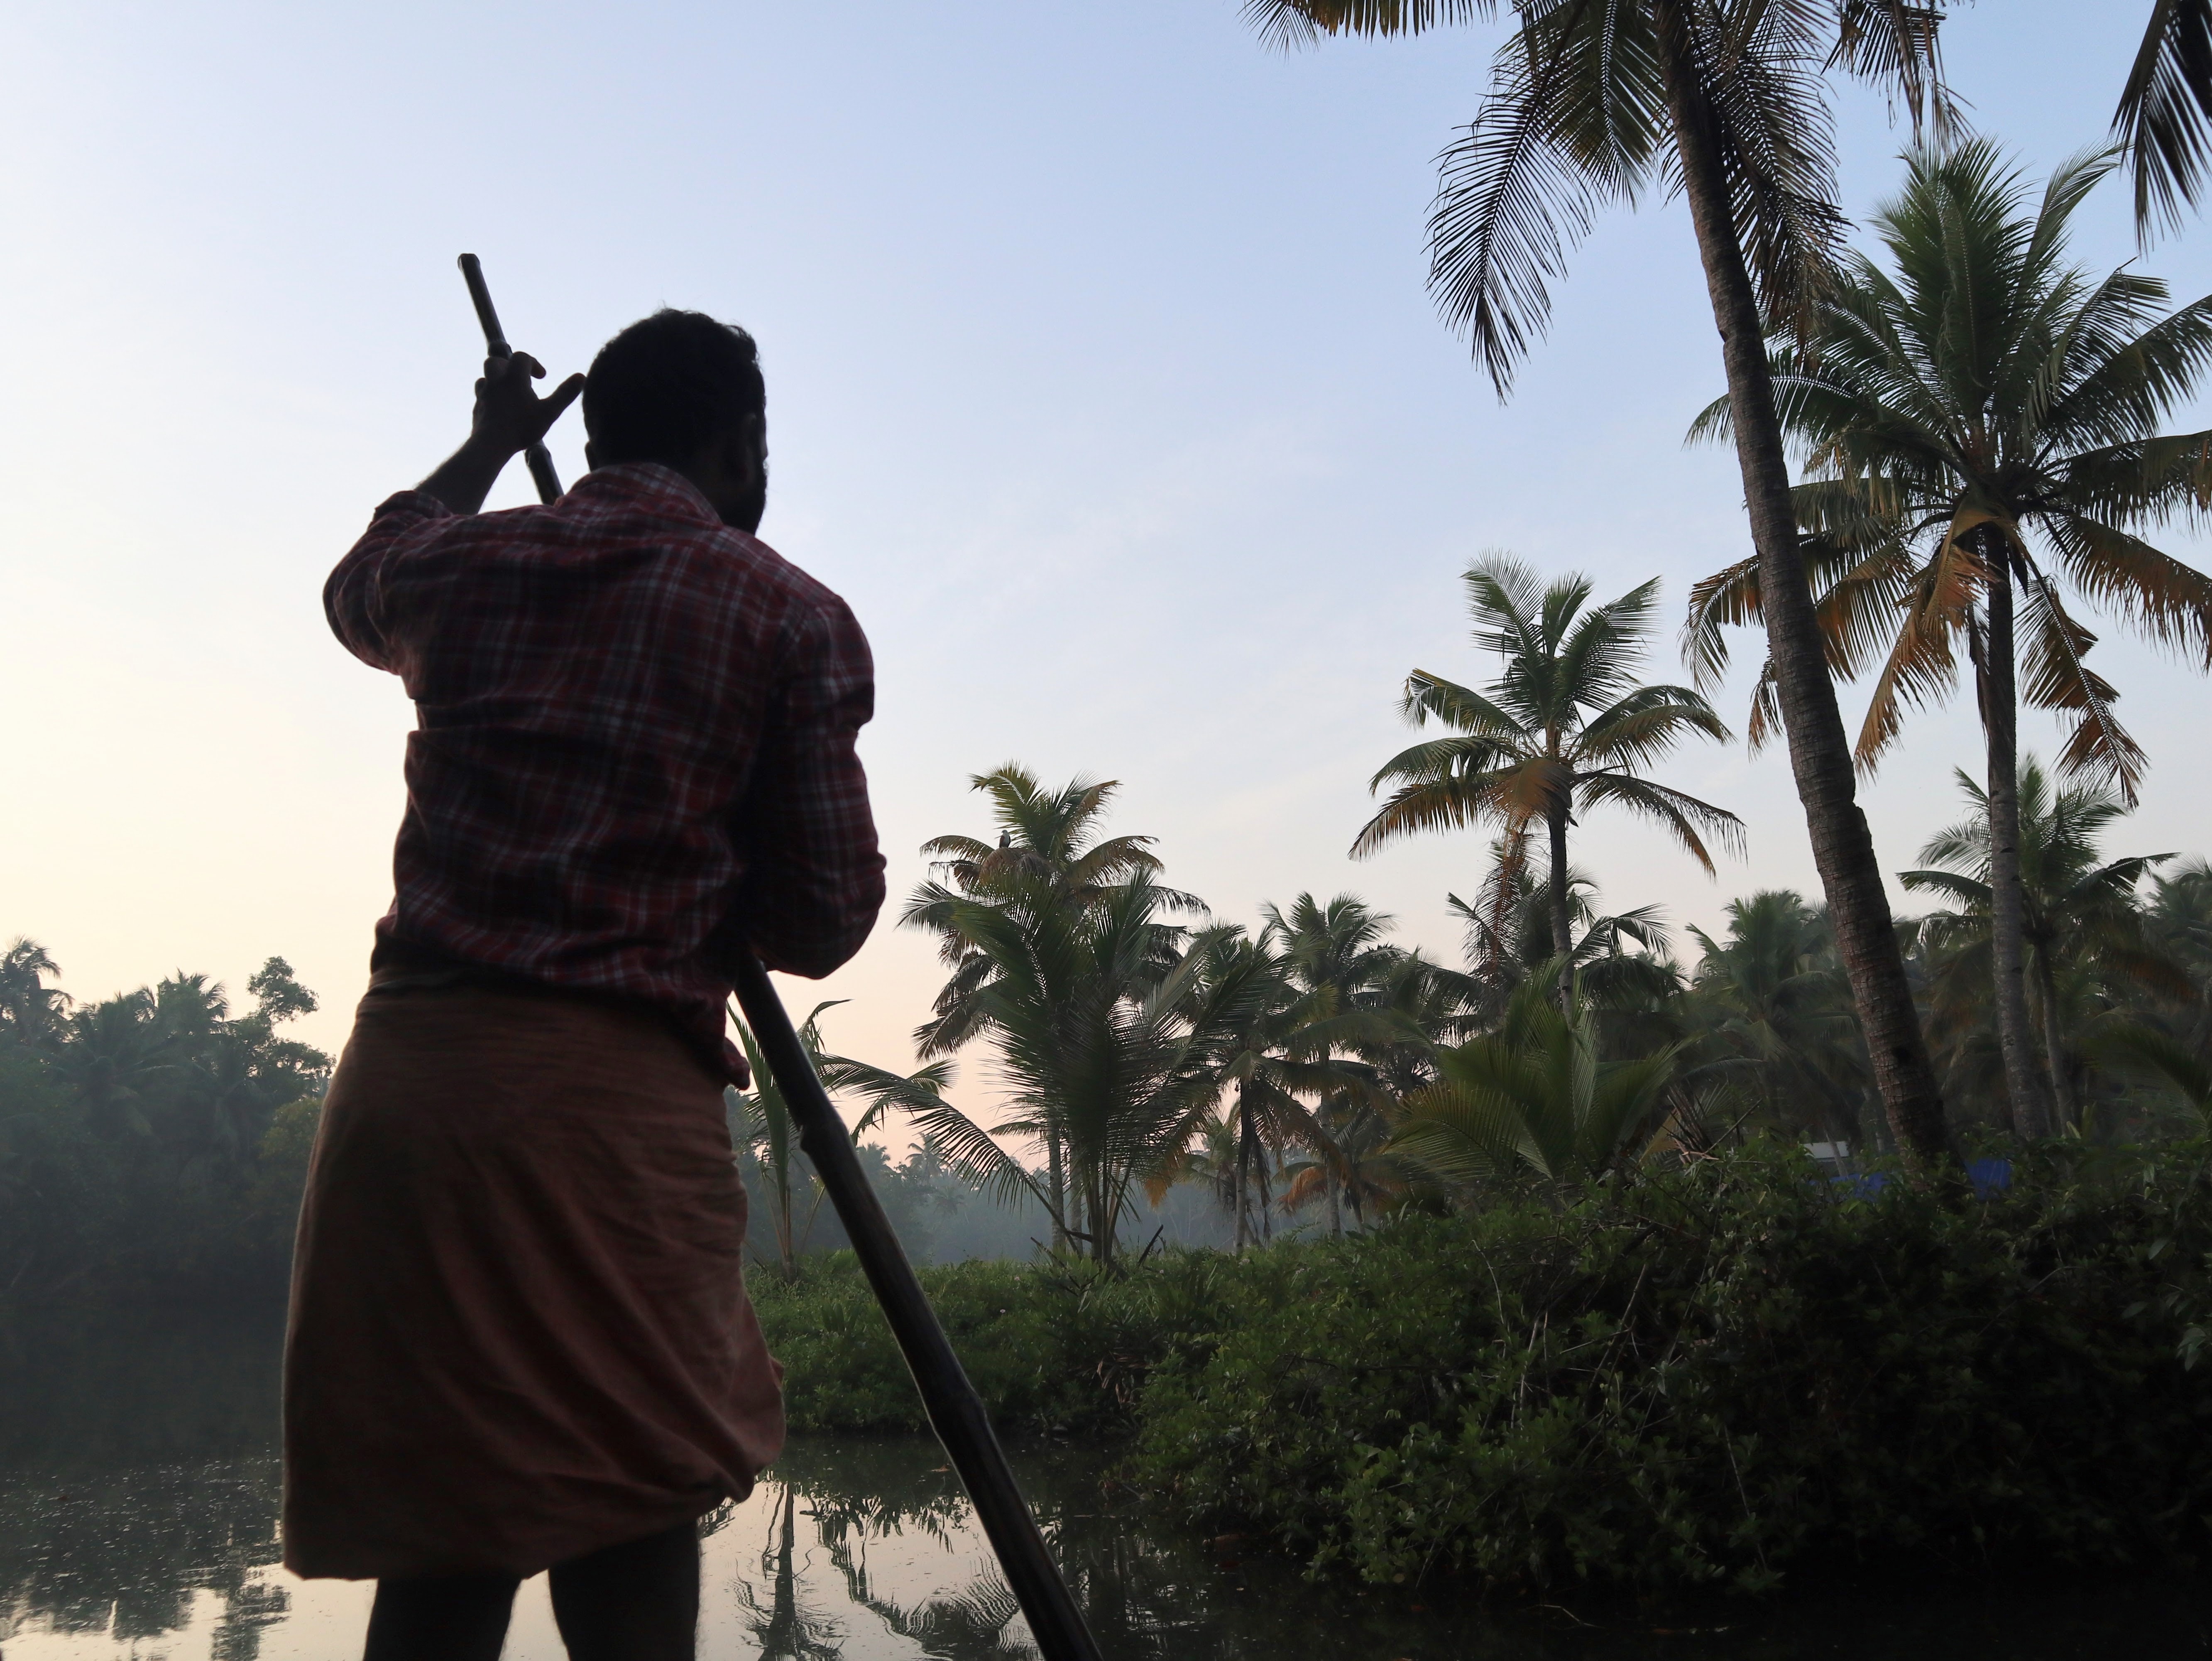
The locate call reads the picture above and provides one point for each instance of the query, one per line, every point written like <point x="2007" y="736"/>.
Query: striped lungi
<point x="519" y="1326"/>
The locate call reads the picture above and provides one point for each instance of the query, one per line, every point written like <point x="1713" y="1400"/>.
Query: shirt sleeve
<point x="814" y="880"/>
<point x="353" y="597"/>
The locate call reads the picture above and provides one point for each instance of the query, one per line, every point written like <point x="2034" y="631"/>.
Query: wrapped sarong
<point x="519" y="1326"/>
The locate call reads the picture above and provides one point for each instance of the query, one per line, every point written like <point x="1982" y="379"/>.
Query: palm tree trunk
<point x="1243" y="1166"/>
<point x="1563" y="934"/>
<point x="1103" y="1218"/>
<point x="1820" y="755"/>
<point x="1056" y="1179"/>
<point x="2068" y="1114"/>
<point x="786" y="1247"/>
<point x="2025" y="1086"/>
<point x="1335" y="1204"/>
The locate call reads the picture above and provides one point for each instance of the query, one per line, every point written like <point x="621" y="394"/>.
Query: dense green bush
<point x="1726" y="1375"/>
<point x="1049" y="1346"/>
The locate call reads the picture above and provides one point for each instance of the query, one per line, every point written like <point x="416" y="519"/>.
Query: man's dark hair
<point x="665" y="385"/>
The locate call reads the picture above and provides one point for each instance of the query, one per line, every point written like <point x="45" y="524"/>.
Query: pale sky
<point x="1103" y="382"/>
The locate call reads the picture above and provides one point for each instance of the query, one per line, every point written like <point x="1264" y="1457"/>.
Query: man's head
<point x="683" y="390"/>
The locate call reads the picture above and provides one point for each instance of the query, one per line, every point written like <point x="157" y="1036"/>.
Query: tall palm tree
<point x="1975" y="427"/>
<point x="1594" y="102"/>
<point x="114" y="1057"/>
<point x="1051" y="856"/>
<point x="1112" y="1027"/>
<point x="1565" y="725"/>
<point x="2079" y="911"/>
<point x="1284" y="1053"/>
<point x="761" y="1123"/>
<point x="1379" y="1008"/>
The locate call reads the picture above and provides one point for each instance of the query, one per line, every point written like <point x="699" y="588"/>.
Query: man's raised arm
<point x="508" y="418"/>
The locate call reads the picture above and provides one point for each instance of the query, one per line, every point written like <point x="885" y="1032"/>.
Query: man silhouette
<point x="519" y="1338"/>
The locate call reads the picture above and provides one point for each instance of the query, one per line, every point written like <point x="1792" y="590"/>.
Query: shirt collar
<point x="646" y="485"/>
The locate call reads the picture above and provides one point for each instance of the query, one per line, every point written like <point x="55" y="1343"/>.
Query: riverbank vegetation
<point x="1739" y="1373"/>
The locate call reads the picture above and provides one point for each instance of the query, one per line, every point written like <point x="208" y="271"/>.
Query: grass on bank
<point x="1726" y="1375"/>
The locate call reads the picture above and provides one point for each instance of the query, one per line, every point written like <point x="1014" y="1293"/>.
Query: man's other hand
<point x="510" y="417"/>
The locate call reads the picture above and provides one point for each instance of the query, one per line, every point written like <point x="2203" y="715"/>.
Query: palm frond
<point x="2164" y="110"/>
<point x="1896" y="45"/>
<point x="1686" y="818"/>
<point x="2056" y="679"/>
<point x="1289" y="23"/>
<point x="1520" y="186"/>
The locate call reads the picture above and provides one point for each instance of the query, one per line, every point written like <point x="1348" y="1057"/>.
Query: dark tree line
<point x="152" y="1139"/>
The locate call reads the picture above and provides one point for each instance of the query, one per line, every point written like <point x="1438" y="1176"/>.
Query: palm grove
<point x="1981" y="436"/>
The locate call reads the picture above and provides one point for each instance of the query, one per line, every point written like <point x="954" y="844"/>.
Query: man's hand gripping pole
<point x="536" y="457"/>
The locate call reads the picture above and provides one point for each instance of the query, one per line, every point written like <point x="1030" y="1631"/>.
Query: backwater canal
<point x="138" y="1492"/>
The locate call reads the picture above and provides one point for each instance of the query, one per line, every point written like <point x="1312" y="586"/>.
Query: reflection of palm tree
<point x="977" y="1623"/>
<point x="246" y="1614"/>
<point x="871" y="1498"/>
<point x="126" y="1553"/>
<point x="786" y="1631"/>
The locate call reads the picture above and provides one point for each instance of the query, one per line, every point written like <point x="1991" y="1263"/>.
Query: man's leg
<point x="635" y="1601"/>
<point x="459" y="1617"/>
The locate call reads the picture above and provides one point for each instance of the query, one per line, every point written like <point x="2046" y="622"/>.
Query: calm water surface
<point x="138" y="1497"/>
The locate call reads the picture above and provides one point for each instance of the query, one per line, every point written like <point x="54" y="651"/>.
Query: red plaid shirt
<point x="633" y="748"/>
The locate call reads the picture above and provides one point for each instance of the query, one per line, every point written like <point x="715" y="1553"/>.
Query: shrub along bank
<point x="1728" y="1375"/>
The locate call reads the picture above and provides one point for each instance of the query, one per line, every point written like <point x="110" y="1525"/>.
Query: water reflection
<point x="138" y="1506"/>
<point x="129" y="1555"/>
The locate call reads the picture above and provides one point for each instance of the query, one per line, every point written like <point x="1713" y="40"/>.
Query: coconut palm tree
<point x="1379" y="1008"/>
<point x="1051" y="856"/>
<point x="1770" y="997"/>
<point x="761" y="1123"/>
<point x="1594" y="102"/>
<point x="1976" y="428"/>
<point x="114" y="1058"/>
<point x="2080" y="911"/>
<point x="1565" y="727"/>
<point x="1112" y="1027"/>
<point x="30" y="1010"/>
<point x="1534" y="1097"/>
<point x="1509" y="935"/>
<point x="1284" y="1055"/>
